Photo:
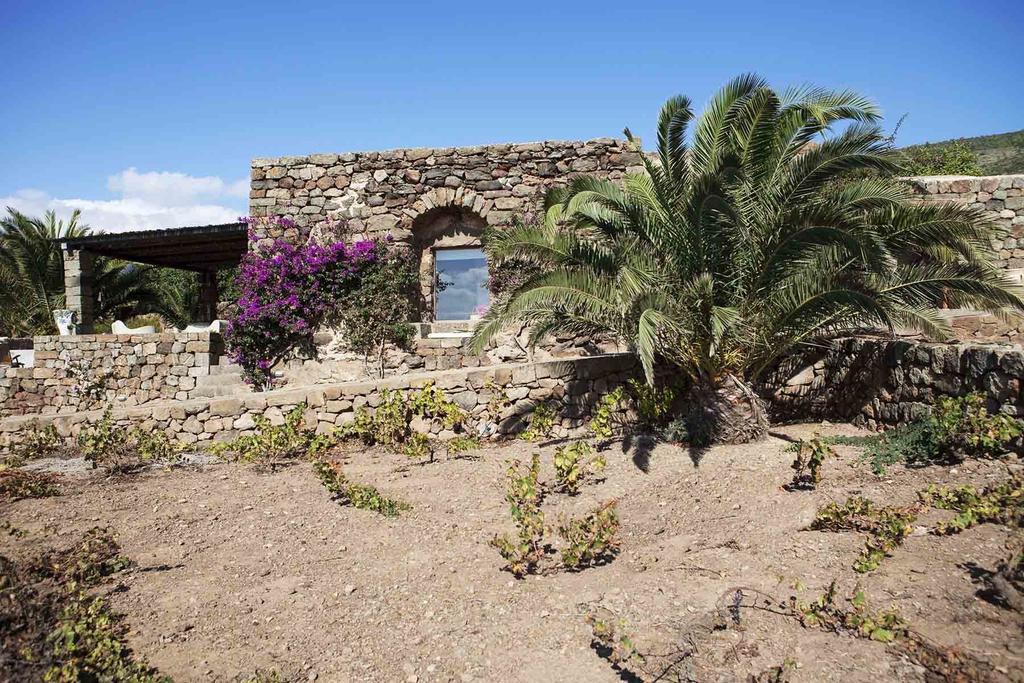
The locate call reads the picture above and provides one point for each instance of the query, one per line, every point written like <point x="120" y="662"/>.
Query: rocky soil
<point x="239" y="570"/>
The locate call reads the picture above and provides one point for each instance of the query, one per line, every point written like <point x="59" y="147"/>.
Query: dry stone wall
<point x="499" y="398"/>
<point x="1000" y="196"/>
<point x="377" y="193"/>
<point x="879" y="382"/>
<point x="82" y="372"/>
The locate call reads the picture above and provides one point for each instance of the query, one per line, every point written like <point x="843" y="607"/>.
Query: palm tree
<point x="777" y="225"/>
<point x="32" y="276"/>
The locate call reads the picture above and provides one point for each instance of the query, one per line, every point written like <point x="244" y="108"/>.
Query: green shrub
<point x="89" y="642"/>
<point x="654" y="404"/>
<point x="542" y="423"/>
<point x="34" y="443"/>
<point x="601" y="424"/>
<point x="389" y="424"/>
<point x="1001" y="503"/>
<point x="272" y="445"/>
<point x="593" y="539"/>
<point x="16" y="483"/>
<point x="59" y="633"/>
<point x="957" y="428"/>
<point x="886" y="527"/>
<point x="807" y="465"/>
<point x="825" y="613"/>
<point x="963" y="428"/>
<point x="359" y="496"/>
<point x="523" y="553"/>
<point x="418" y="445"/>
<point x="120" y="449"/>
<point x="951" y="158"/>
<point x="431" y="402"/>
<point x="573" y="462"/>
<point x="461" y="444"/>
<point x="612" y="642"/>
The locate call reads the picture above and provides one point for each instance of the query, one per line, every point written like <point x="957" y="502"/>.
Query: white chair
<point x="118" y="327"/>
<point x="217" y="326"/>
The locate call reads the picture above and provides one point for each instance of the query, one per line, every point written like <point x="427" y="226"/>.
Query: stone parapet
<point x="75" y="373"/>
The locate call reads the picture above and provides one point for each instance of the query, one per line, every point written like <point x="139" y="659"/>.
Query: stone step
<point x="217" y="391"/>
<point x="226" y="369"/>
<point x="223" y="380"/>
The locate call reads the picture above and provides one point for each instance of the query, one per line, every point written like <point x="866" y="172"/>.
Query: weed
<point x="1001" y="503"/>
<point x="573" y="463"/>
<point x="807" y="465"/>
<point x="884" y="627"/>
<point x="907" y="444"/>
<point x="360" y="496"/>
<point x="16" y="483"/>
<point x="593" y="539"/>
<point x="524" y="496"/>
<point x="418" y="445"/>
<point x="886" y="527"/>
<point x="542" y="423"/>
<point x="601" y="424"/>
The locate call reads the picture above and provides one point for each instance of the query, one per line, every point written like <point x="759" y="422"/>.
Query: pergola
<point x="203" y="249"/>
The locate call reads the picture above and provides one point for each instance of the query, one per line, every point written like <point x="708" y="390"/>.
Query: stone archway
<point x="442" y="228"/>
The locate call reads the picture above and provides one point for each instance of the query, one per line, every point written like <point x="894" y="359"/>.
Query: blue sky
<point x="147" y="113"/>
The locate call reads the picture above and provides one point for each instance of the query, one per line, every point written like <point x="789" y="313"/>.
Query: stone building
<point x="437" y="201"/>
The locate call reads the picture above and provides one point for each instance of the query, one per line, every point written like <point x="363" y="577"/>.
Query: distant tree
<point x="953" y="158"/>
<point x="32" y="276"/>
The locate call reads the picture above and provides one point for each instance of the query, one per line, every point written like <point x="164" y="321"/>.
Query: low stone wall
<point x="1001" y="196"/>
<point x="429" y="353"/>
<point x="878" y="382"/>
<point x="500" y="396"/>
<point x="82" y="372"/>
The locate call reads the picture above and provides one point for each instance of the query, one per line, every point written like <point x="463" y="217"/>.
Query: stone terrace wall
<point x="82" y="372"/>
<point x="573" y="387"/>
<point x="375" y="193"/>
<point x="1001" y="196"/>
<point x="879" y="382"/>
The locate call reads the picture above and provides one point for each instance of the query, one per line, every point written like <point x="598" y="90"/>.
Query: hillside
<point x="997" y="154"/>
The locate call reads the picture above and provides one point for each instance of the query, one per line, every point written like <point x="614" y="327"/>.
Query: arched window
<point x="453" y="269"/>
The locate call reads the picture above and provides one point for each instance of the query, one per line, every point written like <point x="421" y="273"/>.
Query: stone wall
<point x="375" y="193"/>
<point x="880" y="382"/>
<point x="498" y="399"/>
<point x="1001" y="196"/>
<point x="82" y="372"/>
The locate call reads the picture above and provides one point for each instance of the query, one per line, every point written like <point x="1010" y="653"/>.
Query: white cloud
<point x="154" y="199"/>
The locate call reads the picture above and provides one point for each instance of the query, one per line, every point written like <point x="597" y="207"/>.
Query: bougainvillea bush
<point x="288" y="292"/>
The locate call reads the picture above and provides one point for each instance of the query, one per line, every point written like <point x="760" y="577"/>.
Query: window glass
<point x="461" y="283"/>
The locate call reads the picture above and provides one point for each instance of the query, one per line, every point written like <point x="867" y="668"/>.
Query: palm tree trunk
<point x="725" y="409"/>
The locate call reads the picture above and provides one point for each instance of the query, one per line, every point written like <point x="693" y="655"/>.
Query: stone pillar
<point x="208" y="295"/>
<point x="78" y="294"/>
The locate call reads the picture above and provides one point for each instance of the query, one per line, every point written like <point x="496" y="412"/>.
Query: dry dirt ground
<point x="239" y="570"/>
